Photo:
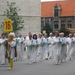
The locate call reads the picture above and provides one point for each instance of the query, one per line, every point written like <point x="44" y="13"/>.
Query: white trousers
<point x="50" y="51"/>
<point x="29" y="54"/>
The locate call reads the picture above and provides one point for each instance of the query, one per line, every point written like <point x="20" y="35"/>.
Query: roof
<point x="67" y="8"/>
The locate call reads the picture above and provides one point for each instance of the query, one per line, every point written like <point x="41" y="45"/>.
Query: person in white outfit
<point x="2" y="49"/>
<point x="21" y="46"/>
<point x="29" y="44"/>
<point x="63" y="47"/>
<point x="39" y="47"/>
<point x="35" y="48"/>
<point x="51" y="46"/>
<point x="42" y="48"/>
<point x="57" y="48"/>
<point x="46" y="47"/>
<point x="70" y="50"/>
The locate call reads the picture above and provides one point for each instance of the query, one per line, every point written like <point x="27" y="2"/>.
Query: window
<point x="62" y="24"/>
<point x="42" y="22"/>
<point x="48" y="21"/>
<point x="56" y="13"/>
<point x="56" y="24"/>
<point x="56" y="10"/>
<point x="69" y="24"/>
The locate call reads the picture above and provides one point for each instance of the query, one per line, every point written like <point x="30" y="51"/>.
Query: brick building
<point x="58" y="14"/>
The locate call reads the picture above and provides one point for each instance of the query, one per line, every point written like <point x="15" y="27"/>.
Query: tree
<point x="47" y="28"/>
<point x="12" y="13"/>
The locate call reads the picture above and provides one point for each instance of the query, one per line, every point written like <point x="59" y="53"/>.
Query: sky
<point x="51" y="0"/>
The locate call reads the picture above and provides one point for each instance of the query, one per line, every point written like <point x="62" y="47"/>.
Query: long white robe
<point x="35" y="50"/>
<point x="39" y="47"/>
<point x="2" y="51"/>
<point x="46" y="48"/>
<point x="21" y="46"/>
<point x="70" y="50"/>
<point x="29" y="44"/>
<point x="57" y="50"/>
<point x="63" y="49"/>
<point x="50" y="47"/>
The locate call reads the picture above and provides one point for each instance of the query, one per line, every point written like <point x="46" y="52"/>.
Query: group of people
<point x="56" y="47"/>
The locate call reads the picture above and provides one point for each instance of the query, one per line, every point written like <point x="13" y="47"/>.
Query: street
<point x="45" y="67"/>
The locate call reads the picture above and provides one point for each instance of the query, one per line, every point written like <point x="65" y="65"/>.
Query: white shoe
<point x="34" y="61"/>
<point x="56" y="63"/>
<point x="30" y="62"/>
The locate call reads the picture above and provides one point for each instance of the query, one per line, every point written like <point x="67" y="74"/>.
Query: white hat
<point x="12" y="34"/>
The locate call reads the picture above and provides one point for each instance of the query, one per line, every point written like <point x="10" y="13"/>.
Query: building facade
<point x="58" y="14"/>
<point x="30" y="12"/>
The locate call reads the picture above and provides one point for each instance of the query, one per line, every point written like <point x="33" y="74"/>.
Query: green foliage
<point x="12" y="13"/>
<point x="47" y="28"/>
